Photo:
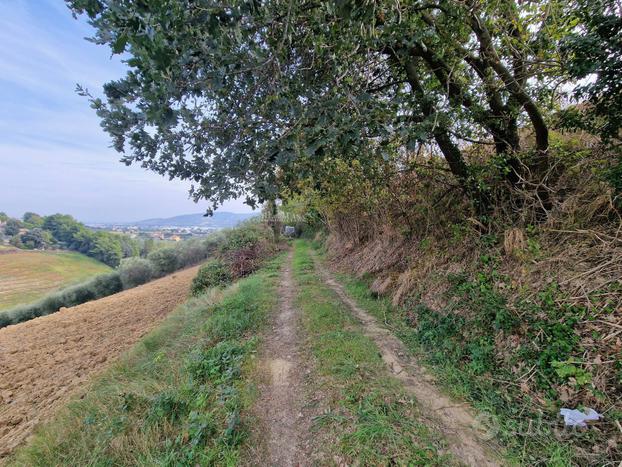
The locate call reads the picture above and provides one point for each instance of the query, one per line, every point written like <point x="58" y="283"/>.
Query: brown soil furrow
<point x="280" y="405"/>
<point x="45" y="361"/>
<point x="466" y="437"/>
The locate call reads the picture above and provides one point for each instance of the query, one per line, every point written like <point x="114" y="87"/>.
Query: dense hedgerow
<point x="240" y="251"/>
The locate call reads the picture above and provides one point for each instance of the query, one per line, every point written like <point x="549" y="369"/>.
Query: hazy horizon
<point x="54" y="157"/>
<point x="19" y="215"/>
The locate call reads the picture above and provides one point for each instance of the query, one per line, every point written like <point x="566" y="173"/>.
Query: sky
<point x="54" y="157"/>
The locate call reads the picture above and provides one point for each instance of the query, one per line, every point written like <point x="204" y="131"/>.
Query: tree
<point x="34" y="239"/>
<point x="107" y="250"/>
<point x="148" y="245"/>
<point x="12" y="227"/>
<point x="3" y="217"/>
<point x="129" y="246"/>
<point x="103" y="246"/>
<point x="63" y="227"/>
<point x="593" y="49"/>
<point x="32" y="219"/>
<point x="246" y="97"/>
<point x="164" y="261"/>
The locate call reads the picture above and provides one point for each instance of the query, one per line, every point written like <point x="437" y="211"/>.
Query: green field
<point x="26" y="276"/>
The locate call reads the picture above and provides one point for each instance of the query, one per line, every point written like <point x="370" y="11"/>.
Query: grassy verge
<point x="371" y="418"/>
<point x="463" y="368"/>
<point x="178" y="397"/>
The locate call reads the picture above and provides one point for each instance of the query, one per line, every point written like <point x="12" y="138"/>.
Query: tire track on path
<point x="466" y="437"/>
<point x="280" y="406"/>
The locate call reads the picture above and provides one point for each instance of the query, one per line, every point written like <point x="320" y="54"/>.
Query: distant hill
<point x="219" y="220"/>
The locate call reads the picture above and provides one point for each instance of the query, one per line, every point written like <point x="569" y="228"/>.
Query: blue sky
<point x="54" y="157"/>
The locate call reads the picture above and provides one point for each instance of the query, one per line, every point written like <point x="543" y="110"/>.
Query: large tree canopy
<point x="240" y="97"/>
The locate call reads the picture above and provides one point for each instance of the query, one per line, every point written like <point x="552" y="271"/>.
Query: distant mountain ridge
<point x="218" y="220"/>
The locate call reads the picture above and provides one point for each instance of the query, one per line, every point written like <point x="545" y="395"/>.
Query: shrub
<point x="164" y="261"/>
<point x="135" y="271"/>
<point x="105" y="284"/>
<point x="16" y="241"/>
<point x="190" y="252"/>
<point x="98" y="287"/>
<point x="213" y="242"/>
<point x="240" y="238"/>
<point x="246" y="260"/>
<point x="212" y="274"/>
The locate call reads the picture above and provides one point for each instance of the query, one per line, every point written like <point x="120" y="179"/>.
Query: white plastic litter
<point x="574" y="417"/>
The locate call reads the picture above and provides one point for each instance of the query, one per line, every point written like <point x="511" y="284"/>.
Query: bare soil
<point x="280" y="408"/>
<point x="467" y="437"/>
<point x="45" y="361"/>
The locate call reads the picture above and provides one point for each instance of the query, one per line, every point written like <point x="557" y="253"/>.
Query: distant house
<point x="175" y="238"/>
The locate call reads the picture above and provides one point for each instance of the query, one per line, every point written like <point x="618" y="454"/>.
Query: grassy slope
<point x="181" y="397"/>
<point x="26" y="276"/>
<point x="370" y="420"/>
<point x="177" y="398"/>
<point x="532" y="437"/>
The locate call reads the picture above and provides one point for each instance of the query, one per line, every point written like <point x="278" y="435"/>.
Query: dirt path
<point x="46" y="360"/>
<point x="280" y="405"/>
<point x="457" y="423"/>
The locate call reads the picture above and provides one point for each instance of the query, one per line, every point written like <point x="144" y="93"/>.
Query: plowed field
<point x="46" y="360"/>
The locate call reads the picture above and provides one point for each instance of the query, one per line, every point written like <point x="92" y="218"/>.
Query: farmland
<point x="45" y="361"/>
<point x="26" y="276"/>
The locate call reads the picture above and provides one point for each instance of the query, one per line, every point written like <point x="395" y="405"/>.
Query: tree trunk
<point x="540" y="128"/>
<point x="452" y="153"/>
<point x="273" y="220"/>
<point x="515" y="85"/>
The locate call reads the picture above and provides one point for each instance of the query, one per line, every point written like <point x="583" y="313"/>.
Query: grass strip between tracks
<point x="366" y="410"/>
